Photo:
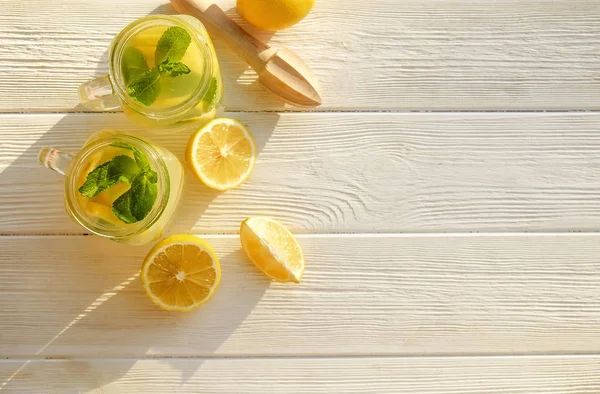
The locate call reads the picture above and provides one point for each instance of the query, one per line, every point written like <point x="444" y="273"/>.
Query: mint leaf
<point x="210" y="98"/>
<point x="151" y="175"/>
<point x="140" y="159"/>
<point x="133" y="63"/>
<point x="173" y="69"/>
<point x="135" y="204"/>
<point x="121" y="208"/>
<point x="172" y="45"/>
<point x="119" y="169"/>
<point x="145" y="88"/>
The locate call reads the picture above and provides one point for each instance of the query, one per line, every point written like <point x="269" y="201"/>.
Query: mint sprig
<point x="135" y="204"/>
<point x="144" y="86"/>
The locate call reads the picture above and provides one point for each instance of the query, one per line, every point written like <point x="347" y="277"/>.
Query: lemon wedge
<point x="272" y="248"/>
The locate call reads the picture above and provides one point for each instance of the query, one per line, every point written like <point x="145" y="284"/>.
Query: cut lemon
<point x="181" y="273"/>
<point x="222" y="154"/>
<point x="273" y="249"/>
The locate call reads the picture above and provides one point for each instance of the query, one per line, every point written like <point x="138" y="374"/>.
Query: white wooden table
<point x="446" y="194"/>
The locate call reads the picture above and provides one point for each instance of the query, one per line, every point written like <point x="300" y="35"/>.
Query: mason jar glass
<point x="190" y="96"/>
<point x="96" y="214"/>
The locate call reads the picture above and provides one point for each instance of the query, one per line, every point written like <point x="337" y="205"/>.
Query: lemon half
<point x="222" y="154"/>
<point x="181" y="273"/>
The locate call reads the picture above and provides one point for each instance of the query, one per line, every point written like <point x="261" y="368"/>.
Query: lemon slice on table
<point x="272" y="248"/>
<point x="222" y="154"/>
<point x="181" y="273"/>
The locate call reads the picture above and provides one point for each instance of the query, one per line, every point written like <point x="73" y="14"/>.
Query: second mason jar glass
<point x="96" y="214"/>
<point x="188" y="87"/>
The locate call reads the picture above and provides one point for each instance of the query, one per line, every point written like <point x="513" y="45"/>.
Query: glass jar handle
<point x="98" y="95"/>
<point x="55" y="159"/>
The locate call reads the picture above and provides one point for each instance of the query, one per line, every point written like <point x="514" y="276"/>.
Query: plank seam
<point x="312" y="356"/>
<point x="354" y="234"/>
<point x="337" y="111"/>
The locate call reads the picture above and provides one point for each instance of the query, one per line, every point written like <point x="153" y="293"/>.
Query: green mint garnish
<point x="210" y="98"/>
<point x="140" y="158"/>
<point x="172" y="45"/>
<point x="119" y="169"/>
<point x="173" y="69"/>
<point x="143" y="86"/>
<point x="134" y="63"/>
<point x="135" y="204"/>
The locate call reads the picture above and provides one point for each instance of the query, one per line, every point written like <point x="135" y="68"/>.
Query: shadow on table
<point x="111" y="310"/>
<point x="23" y="210"/>
<point x="116" y="314"/>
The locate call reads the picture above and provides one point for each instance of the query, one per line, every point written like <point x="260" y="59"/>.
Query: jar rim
<point x="126" y="230"/>
<point x="117" y="49"/>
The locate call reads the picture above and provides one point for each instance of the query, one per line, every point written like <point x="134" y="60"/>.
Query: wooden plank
<point x="395" y="55"/>
<point x="76" y="296"/>
<point x="482" y="375"/>
<point x="349" y="173"/>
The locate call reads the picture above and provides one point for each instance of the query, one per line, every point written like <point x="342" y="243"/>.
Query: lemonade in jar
<point x="119" y="186"/>
<point x="163" y="70"/>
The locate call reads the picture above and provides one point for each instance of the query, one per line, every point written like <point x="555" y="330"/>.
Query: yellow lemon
<point x="222" y="154"/>
<point x="272" y="248"/>
<point x="181" y="273"/>
<point x="274" y="14"/>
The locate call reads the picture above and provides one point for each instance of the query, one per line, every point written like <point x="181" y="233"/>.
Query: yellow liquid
<point x="99" y="208"/>
<point x="177" y="90"/>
